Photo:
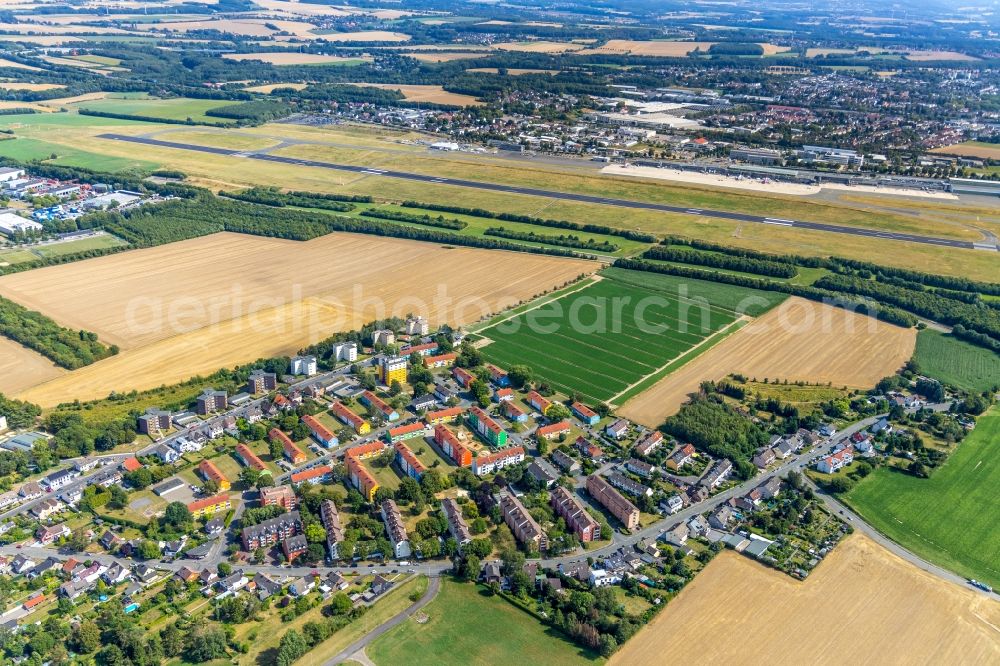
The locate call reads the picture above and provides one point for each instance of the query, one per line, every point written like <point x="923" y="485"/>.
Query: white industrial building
<point x="11" y="223"/>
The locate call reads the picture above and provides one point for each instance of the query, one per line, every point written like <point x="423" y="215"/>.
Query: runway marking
<point x="561" y="196"/>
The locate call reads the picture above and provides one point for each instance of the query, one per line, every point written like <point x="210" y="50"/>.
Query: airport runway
<point x="566" y="196"/>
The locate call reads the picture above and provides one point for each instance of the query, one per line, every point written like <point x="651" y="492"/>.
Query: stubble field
<point x="863" y="605"/>
<point x="799" y="340"/>
<point x="21" y="367"/>
<point x="194" y="306"/>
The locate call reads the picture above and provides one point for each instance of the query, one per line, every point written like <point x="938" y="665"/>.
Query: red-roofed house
<point x="320" y="474"/>
<point x="539" y="402"/>
<point x="452" y="446"/>
<point x="209" y="505"/>
<point x="443" y="415"/>
<point x="210" y="472"/>
<point x="363" y="451"/>
<point x="294" y="454"/>
<point x="249" y="458"/>
<point x="440" y="361"/>
<point x="491" y="463"/>
<point x="322" y="434"/>
<point x="398" y="434"/>
<point x="408" y="462"/>
<point x="553" y="430"/>
<point x="131" y="464"/>
<point x="350" y="418"/>
<point x="463" y="377"/>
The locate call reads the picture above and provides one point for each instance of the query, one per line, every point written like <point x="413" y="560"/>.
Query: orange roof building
<point x="294" y="454"/>
<point x="363" y="451"/>
<point x="408" y="431"/>
<point x="440" y="361"/>
<point x="361" y="478"/>
<point x="210" y="505"/>
<point x="553" y="430"/>
<point x="446" y="415"/>
<point x="318" y="474"/>
<point x="539" y="402"/>
<point x="131" y="464"/>
<point x="408" y="462"/>
<point x="250" y="459"/>
<point x="350" y="418"/>
<point x="322" y="434"/>
<point x="452" y="446"/>
<point x="210" y="472"/>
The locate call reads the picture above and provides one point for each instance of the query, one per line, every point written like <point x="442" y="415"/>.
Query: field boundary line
<point x="721" y="333"/>
<point x="543" y="300"/>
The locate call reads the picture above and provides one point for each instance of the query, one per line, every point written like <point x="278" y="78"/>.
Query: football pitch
<point x="603" y="338"/>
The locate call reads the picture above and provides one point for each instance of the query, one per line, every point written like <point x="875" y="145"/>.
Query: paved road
<point x="432" y="589"/>
<point x="566" y="196"/>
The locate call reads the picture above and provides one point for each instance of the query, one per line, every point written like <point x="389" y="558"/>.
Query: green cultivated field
<point x="468" y="627"/>
<point x="36" y="149"/>
<point x="956" y="362"/>
<point x="178" y="108"/>
<point x="600" y="340"/>
<point x="951" y="518"/>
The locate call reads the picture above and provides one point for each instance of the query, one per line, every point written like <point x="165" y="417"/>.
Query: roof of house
<point x="310" y="474"/>
<point x="553" y="428"/>
<point x="131" y="464"/>
<point x="206" y="502"/>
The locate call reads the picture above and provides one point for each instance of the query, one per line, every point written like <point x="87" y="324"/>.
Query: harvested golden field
<point x="988" y="151"/>
<point x="773" y="49"/>
<point x="539" y="47"/>
<point x="36" y="106"/>
<point x="21" y="367"/>
<point x="366" y="36"/>
<point x="11" y="85"/>
<point x="246" y="27"/>
<point x="798" y="340"/>
<point x="667" y="49"/>
<point x="41" y="40"/>
<point x="268" y="88"/>
<point x="863" y="605"/>
<point x="194" y="306"/>
<point x="444" y="56"/>
<point x="426" y="93"/>
<point x="292" y="58"/>
<point x="18" y="65"/>
<point x="302" y="8"/>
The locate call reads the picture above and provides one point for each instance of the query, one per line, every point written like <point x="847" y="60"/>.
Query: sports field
<point x="956" y="362"/>
<point x="862" y="605"/>
<point x="605" y="337"/>
<point x="197" y="305"/>
<point x="463" y="621"/>
<point x="950" y="518"/>
<point x="799" y="341"/>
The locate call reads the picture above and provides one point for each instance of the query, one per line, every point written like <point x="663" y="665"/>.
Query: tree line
<point x="537" y="221"/>
<point x="66" y="348"/>
<point x="883" y="312"/>
<point x="426" y="220"/>
<point x="975" y="318"/>
<point x="724" y="261"/>
<point x="560" y="240"/>
<point x="272" y="196"/>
